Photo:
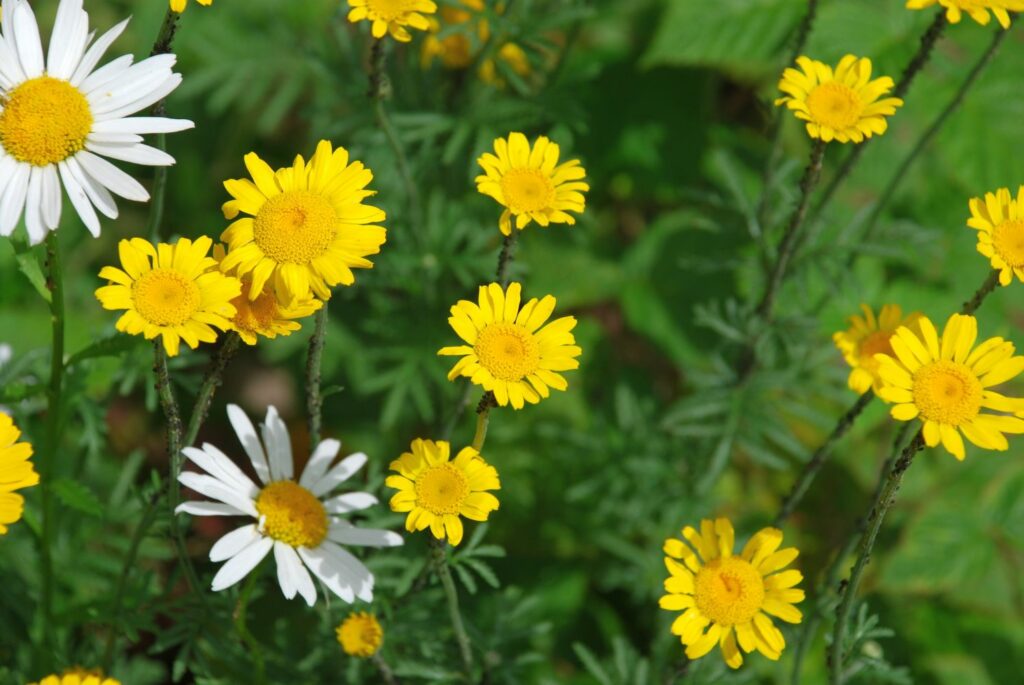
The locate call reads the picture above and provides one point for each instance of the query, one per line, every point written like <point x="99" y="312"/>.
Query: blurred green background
<point x="668" y="105"/>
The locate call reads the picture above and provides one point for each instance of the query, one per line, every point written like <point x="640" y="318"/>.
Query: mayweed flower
<point x="392" y="16"/>
<point x="266" y="315"/>
<point x="174" y="291"/>
<point x="945" y="382"/>
<point x="292" y="518"/>
<point x="59" y="118"/>
<point x="999" y="219"/>
<point x="307" y="227"/>
<point x="16" y="472"/>
<point x="509" y="353"/>
<point x="977" y="9"/>
<point x="841" y="105"/>
<point x="78" y="676"/>
<point x="436" y="490"/>
<point x="458" y="50"/>
<point x="866" y="337"/>
<point x="360" y="635"/>
<point x="179" y="5"/>
<point x="732" y="597"/>
<point x="530" y="183"/>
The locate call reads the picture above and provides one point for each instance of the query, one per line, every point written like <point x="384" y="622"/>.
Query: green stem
<point x="505" y="257"/>
<point x="385" y="671"/>
<point x="161" y="45"/>
<point x="445" y="576"/>
<point x="483" y="413"/>
<point x="213" y="380"/>
<point x="253" y="645"/>
<point x="314" y="398"/>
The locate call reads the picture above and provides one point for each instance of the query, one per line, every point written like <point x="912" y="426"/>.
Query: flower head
<point x="360" y="635"/>
<point x="730" y="597"/>
<point x="999" y="220"/>
<point x="174" y="291"/>
<point x="392" y="16"/>
<point x="458" y="50"/>
<point x="307" y="227"/>
<point x="511" y="351"/>
<point x="16" y="472"/>
<point x="530" y="183"/>
<point x="179" y="5"/>
<point x="297" y="519"/>
<point x="436" y="490"/>
<point x="977" y="9"/>
<point x="945" y="382"/>
<point x="78" y="676"/>
<point x="866" y="337"/>
<point x="841" y="105"/>
<point x="60" y="117"/>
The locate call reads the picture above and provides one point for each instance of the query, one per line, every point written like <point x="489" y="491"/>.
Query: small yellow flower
<point x="999" y="219"/>
<point x="307" y="227"/>
<point x="458" y="50"/>
<point x="179" y="5"/>
<point x="174" y="291"/>
<point x="509" y="353"/>
<point x="16" y="472"/>
<point x="392" y="16"/>
<point x="728" y="595"/>
<point x="866" y="337"/>
<point x="360" y="635"/>
<point x="436" y="490"/>
<point x="841" y="105"/>
<point x="945" y="382"/>
<point x="78" y="676"/>
<point x="977" y="9"/>
<point x="531" y="184"/>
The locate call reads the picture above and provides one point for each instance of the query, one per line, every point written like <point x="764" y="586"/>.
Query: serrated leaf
<point x="73" y="494"/>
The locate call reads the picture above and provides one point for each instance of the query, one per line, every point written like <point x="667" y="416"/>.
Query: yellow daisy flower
<point x="531" y="184"/>
<point x="78" y="676"/>
<point x="360" y="635"/>
<point x="999" y="219"/>
<point x="436" y="490"/>
<point x="841" y="105"/>
<point x="509" y="353"/>
<point x="392" y="16"/>
<point x="307" y="226"/>
<point x="977" y="9"/>
<point x="174" y="291"/>
<point x="730" y="596"/>
<point x="945" y="382"/>
<point x="458" y="50"/>
<point x="866" y="337"/>
<point x="265" y="316"/>
<point x="179" y="5"/>
<point x="16" y="472"/>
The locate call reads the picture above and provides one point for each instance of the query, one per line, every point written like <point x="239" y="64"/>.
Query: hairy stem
<point x="162" y="45"/>
<point x="314" y="398"/>
<point x="386" y="674"/>
<point x="483" y="413"/>
<point x="505" y="257"/>
<point x="244" y="634"/>
<point x="213" y="380"/>
<point x="444" y="574"/>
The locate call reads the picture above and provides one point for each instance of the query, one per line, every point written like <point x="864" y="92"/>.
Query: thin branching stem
<point x="162" y="45"/>
<point x="213" y="380"/>
<point x="314" y="396"/>
<point x="386" y="674"/>
<point x="242" y="628"/>
<point x="444" y="574"/>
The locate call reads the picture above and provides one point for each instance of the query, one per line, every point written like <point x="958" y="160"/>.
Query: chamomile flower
<point x="867" y="336"/>
<point x="360" y="635"/>
<point x="999" y="219"/>
<point x="299" y="520"/>
<point x="459" y="49"/>
<point x="16" y="472"/>
<point x="727" y="599"/>
<point x="513" y="352"/>
<point x="843" y="104"/>
<point x="978" y="10"/>
<point x="945" y="382"/>
<point x="392" y="16"/>
<point x="60" y="117"/>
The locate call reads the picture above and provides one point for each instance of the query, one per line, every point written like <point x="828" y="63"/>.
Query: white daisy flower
<point x="60" y="117"/>
<point x="292" y="518"/>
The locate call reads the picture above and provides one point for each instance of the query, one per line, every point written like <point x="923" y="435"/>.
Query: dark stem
<point x="437" y="549"/>
<point x="164" y="39"/>
<point x="385" y="671"/>
<point x="505" y="257"/>
<point x="972" y="305"/>
<point x="214" y="378"/>
<point x="483" y="413"/>
<point x="820" y="456"/>
<point x="161" y="46"/>
<point x="314" y="398"/>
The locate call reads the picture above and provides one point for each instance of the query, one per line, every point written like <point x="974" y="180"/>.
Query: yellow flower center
<point x="44" y="121"/>
<point x="947" y="392"/>
<point x="295" y="227"/>
<point x="728" y="591"/>
<point x="255" y="316"/>
<point x="508" y="351"/>
<point x="292" y="514"/>
<point x="834" y="105"/>
<point x="527" y="190"/>
<point x="390" y="10"/>
<point x="166" y="297"/>
<point x="360" y="635"/>
<point x="872" y="344"/>
<point x="1008" y="242"/>
<point x="442" y="489"/>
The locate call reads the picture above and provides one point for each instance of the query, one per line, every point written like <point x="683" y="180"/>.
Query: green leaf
<point x="29" y="265"/>
<point x="110" y="346"/>
<point x="73" y="494"/>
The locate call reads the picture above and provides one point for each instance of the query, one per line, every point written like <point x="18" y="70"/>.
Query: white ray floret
<point x="60" y="117"/>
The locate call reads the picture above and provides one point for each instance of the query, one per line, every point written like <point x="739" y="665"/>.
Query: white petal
<point x="199" y="508"/>
<point x="79" y="200"/>
<point x="117" y="181"/>
<point x="95" y="53"/>
<point x="52" y="201"/>
<point x="292" y="575"/>
<point x="220" y="466"/>
<point x="250" y="441"/>
<point x="279" y="445"/>
<point x="136" y="154"/>
<point x="67" y="41"/>
<point x="234" y="542"/>
<point x="318" y="462"/>
<point x="30" y="48"/>
<point x="339" y="474"/>
<point x="106" y="75"/>
<point x="284" y="570"/>
<point x="33" y="207"/>
<point x="218" y="490"/>
<point x="350" y="501"/>
<point x="98" y="195"/>
<point x="344" y="533"/>
<point x="120" y="138"/>
<point x="238" y="567"/>
<point x="13" y="200"/>
<point x="11" y="72"/>
<point x="345" y="575"/>
<point x="142" y="125"/>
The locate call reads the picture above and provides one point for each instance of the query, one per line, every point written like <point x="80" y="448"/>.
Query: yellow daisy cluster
<point x="978" y="10"/>
<point x="459" y="50"/>
<point x="393" y="17"/>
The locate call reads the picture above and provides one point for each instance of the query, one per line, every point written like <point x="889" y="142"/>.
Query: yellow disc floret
<point x="999" y="219"/>
<point x="165" y="297"/>
<point x="295" y="227"/>
<point x="527" y="190"/>
<point x="947" y="392"/>
<point x="292" y="514"/>
<point x="44" y="121"/>
<point x="507" y="351"/>
<point x="442" y="489"/>
<point x="360" y="635"/>
<point x="835" y="105"/>
<point x="728" y="590"/>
